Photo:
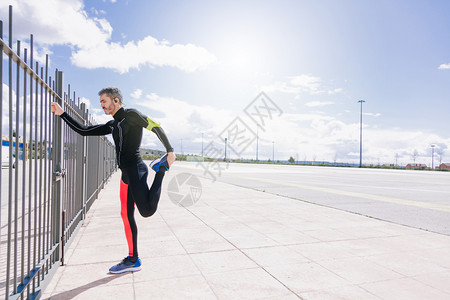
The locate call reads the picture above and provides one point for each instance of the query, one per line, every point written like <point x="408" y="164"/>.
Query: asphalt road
<point x="419" y="199"/>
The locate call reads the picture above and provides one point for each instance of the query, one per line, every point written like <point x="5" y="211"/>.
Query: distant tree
<point x="291" y="160"/>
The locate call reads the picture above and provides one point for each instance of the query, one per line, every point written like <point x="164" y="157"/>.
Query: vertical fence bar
<point x="70" y="179"/>
<point x="68" y="203"/>
<point x="63" y="235"/>
<point x="16" y="173"/>
<point x="67" y="155"/>
<point x="97" y="171"/>
<point x="35" y="178"/>
<point x="30" y="165"/>
<point x="8" y="259"/>
<point x="24" y="165"/>
<point x="54" y="168"/>
<point x="22" y="253"/>
<point x="40" y="255"/>
<point x="44" y="170"/>
<point x="46" y="200"/>
<point x="74" y="164"/>
<point x="58" y="157"/>
<point x="64" y="163"/>
<point x="82" y="164"/>
<point x="49" y="245"/>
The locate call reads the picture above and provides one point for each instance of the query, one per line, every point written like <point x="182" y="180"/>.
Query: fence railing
<point x="50" y="175"/>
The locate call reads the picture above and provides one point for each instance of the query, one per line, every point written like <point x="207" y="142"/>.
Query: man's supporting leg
<point x="127" y="214"/>
<point x="131" y="263"/>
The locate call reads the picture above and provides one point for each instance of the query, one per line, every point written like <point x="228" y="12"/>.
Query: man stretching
<point x="126" y="129"/>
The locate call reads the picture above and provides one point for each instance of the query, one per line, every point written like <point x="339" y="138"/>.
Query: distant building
<point x="444" y="166"/>
<point x="5" y="146"/>
<point x="151" y="152"/>
<point x="416" y="166"/>
<point x="388" y="165"/>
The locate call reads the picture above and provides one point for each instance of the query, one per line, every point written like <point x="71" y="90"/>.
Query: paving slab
<point x="240" y="243"/>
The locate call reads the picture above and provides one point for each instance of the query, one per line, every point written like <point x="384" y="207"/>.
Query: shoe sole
<point x="133" y="269"/>
<point x="157" y="161"/>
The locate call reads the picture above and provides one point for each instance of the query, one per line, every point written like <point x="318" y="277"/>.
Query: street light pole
<point x="225" y="149"/>
<point x="202" y="144"/>
<point x="360" y="135"/>
<point x="273" y="151"/>
<point x="432" y="156"/>
<point x="257" y="133"/>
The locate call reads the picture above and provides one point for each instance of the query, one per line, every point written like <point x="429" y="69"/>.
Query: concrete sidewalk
<point x="238" y="243"/>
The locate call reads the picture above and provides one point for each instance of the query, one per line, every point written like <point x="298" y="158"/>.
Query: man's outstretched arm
<point x="165" y="141"/>
<point x="147" y="123"/>
<point x="102" y="129"/>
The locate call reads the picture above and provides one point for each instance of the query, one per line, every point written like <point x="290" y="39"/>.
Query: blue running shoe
<point x="126" y="265"/>
<point x="160" y="162"/>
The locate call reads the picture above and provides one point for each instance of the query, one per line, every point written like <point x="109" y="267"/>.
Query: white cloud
<point x="182" y="120"/>
<point x="383" y="145"/>
<point x="303" y="83"/>
<point x="136" y="94"/>
<point x="318" y="103"/>
<point x="98" y="114"/>
<point x="335" y="91"/>
<point x="58" y="22"/>
<point x="86" y="101"/>
<point x="39" y="53"/>
<point x="322" y="137"/>
<point x="95" y="110"/>
<point x="306" y="83"/>
<point x="15" y="107"/>
<point x="48" y="21"/>
<point x="312" y="136"/>
<point x="148" y="51"/>
<point x="97" y="12"/>
<point x="372" y="114"/>
<point x="281" y="87"/>
<point x="444" y="66"/>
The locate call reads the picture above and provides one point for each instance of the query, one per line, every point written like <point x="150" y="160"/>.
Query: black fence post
<point x="57" y="157"/>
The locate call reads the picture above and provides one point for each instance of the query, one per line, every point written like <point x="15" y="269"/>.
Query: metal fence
<point x="50" y="175"/>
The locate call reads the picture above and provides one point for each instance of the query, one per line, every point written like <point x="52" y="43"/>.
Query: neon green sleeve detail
<point x="151" y="124"/>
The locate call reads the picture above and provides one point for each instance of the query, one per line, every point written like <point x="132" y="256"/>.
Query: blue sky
<point x="195" y="65"/>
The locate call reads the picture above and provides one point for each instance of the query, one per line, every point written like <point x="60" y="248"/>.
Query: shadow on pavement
<point x="75" y="292"/>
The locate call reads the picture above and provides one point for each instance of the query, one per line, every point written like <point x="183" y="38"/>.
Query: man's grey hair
<point x="112" y="92"/>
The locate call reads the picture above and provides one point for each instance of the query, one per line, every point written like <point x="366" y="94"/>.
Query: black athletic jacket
<point x="126" y="129"/>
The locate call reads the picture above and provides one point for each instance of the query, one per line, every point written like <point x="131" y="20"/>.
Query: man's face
<point x="107" y="104"/>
